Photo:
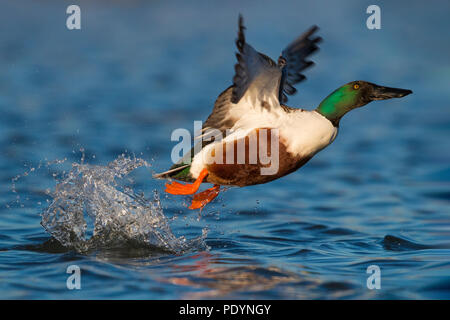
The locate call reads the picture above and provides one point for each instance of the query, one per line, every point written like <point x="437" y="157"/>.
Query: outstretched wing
<point x="293" y="62"/>
<point x="256" y="83"/>
<point x="256" y="75"/>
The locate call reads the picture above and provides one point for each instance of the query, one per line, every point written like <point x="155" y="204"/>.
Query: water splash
<point x="90" y="210"/>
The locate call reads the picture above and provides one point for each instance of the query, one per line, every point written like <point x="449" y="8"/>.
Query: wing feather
<point x="294" y="61"/>
<point x="256" y="80"/>
<point x="256" y="75"/>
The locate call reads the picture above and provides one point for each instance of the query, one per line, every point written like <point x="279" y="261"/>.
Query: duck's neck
<point x="336" y="105"/>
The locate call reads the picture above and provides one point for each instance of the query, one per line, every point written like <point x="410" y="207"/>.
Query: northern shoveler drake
<point x="255" y="101"/>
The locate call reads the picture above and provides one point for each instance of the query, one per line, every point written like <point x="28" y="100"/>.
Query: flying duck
<point x="251" y="116"/>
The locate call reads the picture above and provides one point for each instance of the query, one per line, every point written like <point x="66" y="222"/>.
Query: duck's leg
<point x="203" y="198"/>
<point x="184" y="189"/>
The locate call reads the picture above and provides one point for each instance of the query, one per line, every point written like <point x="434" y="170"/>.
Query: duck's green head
<point x="353" y="95"/>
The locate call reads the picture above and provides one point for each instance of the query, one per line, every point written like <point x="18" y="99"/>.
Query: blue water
<point x="379" y="195"/>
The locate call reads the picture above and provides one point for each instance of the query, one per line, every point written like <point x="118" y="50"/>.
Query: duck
<point x="251" y="136"/>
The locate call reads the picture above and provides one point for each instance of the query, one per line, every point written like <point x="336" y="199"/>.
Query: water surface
<point x="72" y="102"/>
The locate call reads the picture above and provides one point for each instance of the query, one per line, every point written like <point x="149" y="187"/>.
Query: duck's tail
<point x="179" y="172"/>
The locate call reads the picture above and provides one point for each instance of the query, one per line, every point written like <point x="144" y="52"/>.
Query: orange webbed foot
<point x="185" y="189"/>
<point x="203" y="198"/>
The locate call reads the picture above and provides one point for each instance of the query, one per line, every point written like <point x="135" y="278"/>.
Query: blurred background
<point x="137" y="70"/>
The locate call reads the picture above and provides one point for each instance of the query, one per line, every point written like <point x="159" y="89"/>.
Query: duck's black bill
<point x="382" y="93"/>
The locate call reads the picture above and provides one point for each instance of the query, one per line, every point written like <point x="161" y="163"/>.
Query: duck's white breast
<point x="307" y="132"/>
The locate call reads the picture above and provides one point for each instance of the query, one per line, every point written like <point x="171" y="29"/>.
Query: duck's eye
<point x="356" y="86"/>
